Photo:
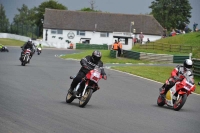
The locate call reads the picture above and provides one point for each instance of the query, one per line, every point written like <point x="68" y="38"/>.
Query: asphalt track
<point x="32" y="100"/>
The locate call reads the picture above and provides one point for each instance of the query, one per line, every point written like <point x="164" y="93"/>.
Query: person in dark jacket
<point x="27" y="45"/>
<point x="88" y="63"/>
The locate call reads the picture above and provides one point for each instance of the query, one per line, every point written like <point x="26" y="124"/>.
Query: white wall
<point x="13" y="36"/>
<point x="95" y="37"/>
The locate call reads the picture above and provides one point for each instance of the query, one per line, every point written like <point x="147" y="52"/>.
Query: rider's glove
<point x="176" y="78"/>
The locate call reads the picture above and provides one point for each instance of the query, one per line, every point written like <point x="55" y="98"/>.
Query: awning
<point x="122" y="37"/>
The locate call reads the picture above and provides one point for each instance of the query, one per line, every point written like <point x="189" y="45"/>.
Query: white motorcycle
<point x="39" y="50"/>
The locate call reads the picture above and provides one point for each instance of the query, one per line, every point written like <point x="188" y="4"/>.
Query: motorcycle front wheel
<point x="69" y="98"/>
<point x="178" y="104"/>
<point x="161" y="100"/>
<point x="85" y="98"/>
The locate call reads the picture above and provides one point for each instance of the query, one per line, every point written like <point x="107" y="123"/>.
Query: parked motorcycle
<point x="4" y="49"/>
<point x="39" y="50"/>
<point x="25" y="58"/>
<point x="91" y="85"/>
<point x="177" y="95"/>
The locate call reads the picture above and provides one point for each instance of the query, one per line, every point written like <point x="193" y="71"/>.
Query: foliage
<point x="4" y="22"/>
<point x="24" y="17"/>
<point x="40" y="11"/>
<point x="89" y="10"/>
<point x="171" y="13"/>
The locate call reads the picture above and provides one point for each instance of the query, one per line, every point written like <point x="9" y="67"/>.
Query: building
<point x="62" y="26"/>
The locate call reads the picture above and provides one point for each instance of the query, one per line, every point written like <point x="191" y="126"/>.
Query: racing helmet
<point x="187" y="63"/>
<point x="29" y="40"/>
<point x="96" y="56"/>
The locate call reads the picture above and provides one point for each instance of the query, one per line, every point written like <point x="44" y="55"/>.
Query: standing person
<point x="115" y="45"/>
<point x="88" y="63"/>
<point x="71" y="45"/>
<point x="141" y="36"/>
<point x="164" y="32"/>
<point x="194" y="26"/>
<point x="119" y="48"/>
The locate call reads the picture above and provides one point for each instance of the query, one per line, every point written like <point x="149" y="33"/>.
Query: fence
<point x="166" y="47"/>
<point x="91" y="46"/>
<point x="24" y="30"/>
<point x="196" y="67"/>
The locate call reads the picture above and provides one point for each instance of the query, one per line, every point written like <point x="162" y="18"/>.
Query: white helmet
<point x="29" y="40"/>
<point x="187" y="63"/>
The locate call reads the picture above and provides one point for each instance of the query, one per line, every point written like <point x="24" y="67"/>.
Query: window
<point x="60" y="31"/>
<point x="104" y="34"/>
<point x="56" y="31"/>
<point x="53" y="31"/>
<point x="81" y="33"/>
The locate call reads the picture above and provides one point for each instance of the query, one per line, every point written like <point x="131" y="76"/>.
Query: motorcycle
<point x="177" y="95"/>
<point x="4" y="49"/>
<point x="25" y="57"/>
<point x="90" y="85"/>
<point x="39" y="50"/>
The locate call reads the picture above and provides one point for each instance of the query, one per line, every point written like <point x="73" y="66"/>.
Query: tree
<point x="91" y="8"/>
<point x="52" y="4"/>
<point x="4" y="22"/>
<point x="25" y="16"/>
<point x="171" y="13"/>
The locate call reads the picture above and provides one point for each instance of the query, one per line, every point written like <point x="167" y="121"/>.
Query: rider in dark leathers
<point x="27" y="45"/>
<point x="88" y="63"/>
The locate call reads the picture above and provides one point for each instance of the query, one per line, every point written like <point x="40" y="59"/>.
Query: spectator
<point x="186" y="28"/>
<point x="148" y="41"/>
<point x="115" y="45"/>
<point x="173" y="33"/>
<point x="141" y="36"/>
<point x="119" y="48"/>
<point x="164" y="32"/>
<point x="195" y="27"/>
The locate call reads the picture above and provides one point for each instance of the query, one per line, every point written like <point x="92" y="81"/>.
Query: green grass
<point x="11" y="42"/>
<point x="189" y="39"/>
<point x="157" y="73"/>
<point x="105" y="57"/>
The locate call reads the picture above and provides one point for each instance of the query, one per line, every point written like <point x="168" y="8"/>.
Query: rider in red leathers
<point x="177" y="75"/>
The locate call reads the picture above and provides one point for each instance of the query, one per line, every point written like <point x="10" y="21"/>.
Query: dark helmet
<point x="187" y="63"/>
<point x="96" y="56"/>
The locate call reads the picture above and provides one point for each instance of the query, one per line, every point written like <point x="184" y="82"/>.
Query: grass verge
<point x="11" y="42"/>
<point x="105" y="57"/>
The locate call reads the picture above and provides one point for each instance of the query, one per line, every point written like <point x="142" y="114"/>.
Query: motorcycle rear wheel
<point x="69" y="98"/>
<point x="23" y="63"/>
<point x="161" y="100"/>
<point x="178" y="104"/>
<point x="85" y="98"/>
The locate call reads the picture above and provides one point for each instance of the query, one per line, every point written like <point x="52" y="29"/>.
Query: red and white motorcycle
<point x="91" y="85"/>
<point x="25" y="58"/>
<point x="177" y="95"/>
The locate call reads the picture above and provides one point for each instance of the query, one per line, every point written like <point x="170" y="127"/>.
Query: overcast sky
<point x="112" y="6"/>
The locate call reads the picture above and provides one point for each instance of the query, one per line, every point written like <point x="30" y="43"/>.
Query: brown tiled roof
<point x="106" y="22"/>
